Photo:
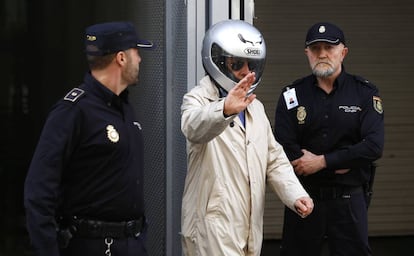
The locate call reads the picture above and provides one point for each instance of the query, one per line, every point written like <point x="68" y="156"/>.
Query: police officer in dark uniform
<point x="331" y="126"/>
<point x="84" y="189"/>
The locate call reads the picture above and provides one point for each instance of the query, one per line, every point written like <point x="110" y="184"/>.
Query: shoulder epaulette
<point x="74" y="94"/>
<point x="293" y="83"/>
<point x="365" y="82"/>
<point x="297" y="81"/>
<point x="362" y="80"/>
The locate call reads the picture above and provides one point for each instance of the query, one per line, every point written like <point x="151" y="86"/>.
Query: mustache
<point x="323" y="62"/>
<point x="323" y="72"/>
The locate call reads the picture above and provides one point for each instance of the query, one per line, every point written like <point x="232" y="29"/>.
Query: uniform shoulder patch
<point x="74" y="94"/>
<point x="377" y="103"/>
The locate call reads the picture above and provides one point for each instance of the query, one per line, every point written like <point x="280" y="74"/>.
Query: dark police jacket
<point x="346" y="125"/>
<point x="88" y="163"/>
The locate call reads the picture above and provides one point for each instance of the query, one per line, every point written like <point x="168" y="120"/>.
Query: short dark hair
<point x="99" y="62"/>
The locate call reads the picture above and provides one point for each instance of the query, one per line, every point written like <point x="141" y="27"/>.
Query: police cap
<point x="324" y="32"/>
<point x="106" y="38"/>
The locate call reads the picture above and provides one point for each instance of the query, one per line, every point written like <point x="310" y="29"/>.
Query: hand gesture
<point x="237" y="99"/>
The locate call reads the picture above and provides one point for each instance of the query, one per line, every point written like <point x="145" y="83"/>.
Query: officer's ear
<point x="306" y="51"/>
<point x="344" y="52"/>
<point x="121" y="58"/>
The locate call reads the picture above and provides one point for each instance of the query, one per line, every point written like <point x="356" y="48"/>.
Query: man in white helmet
<point x="231" y="149"/>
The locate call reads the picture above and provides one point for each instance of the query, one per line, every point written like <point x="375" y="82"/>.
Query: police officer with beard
<point x="84" y="189"/>
<point x="331" y="126"/>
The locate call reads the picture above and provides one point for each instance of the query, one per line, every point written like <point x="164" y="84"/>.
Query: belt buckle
<point x="346" y="193"/>
<point x="94" y="227"/>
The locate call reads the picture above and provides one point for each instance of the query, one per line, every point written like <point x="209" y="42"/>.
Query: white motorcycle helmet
<point x="237" y="39"/>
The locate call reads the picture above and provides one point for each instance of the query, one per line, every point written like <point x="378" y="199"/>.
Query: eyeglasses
<point x="238" y="63"/>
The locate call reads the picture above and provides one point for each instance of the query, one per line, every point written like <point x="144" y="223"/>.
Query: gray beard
<point x="323" y="73"/>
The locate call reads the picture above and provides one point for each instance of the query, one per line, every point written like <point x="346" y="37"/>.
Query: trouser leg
<point x="348" y="227"/>
<point x="304" y="236"/>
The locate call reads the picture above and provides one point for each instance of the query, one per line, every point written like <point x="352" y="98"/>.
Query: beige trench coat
<point x="228" y="167"/>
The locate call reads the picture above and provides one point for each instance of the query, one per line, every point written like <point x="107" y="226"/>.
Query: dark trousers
<point x="96" y="247"/>
<point x="341" y="221"/>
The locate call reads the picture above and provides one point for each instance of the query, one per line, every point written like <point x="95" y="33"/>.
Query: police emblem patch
<point x="377" y="104"/>
<point x="301" y="115"/>
<point x="112" y="134"/>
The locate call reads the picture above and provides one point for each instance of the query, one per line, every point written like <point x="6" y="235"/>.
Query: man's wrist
<point x="322" y="161"/>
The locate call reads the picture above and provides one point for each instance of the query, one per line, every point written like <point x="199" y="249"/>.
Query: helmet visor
<point x="237" y="67"/>
<point x="236" y="63"/>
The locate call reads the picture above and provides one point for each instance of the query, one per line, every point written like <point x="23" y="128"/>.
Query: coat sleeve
<point x="202" y="119"/>
<point x="281" y="176"/>
<point x="42" y="189"/>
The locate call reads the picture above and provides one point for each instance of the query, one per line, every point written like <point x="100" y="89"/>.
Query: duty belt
<point x="102" y="229"/>
<point x="337" y="192"/>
